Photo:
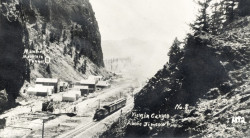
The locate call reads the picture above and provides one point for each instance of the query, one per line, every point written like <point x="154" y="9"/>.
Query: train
<point x="109" y="109"/>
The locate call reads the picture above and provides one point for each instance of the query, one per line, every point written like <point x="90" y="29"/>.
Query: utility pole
<point x="99" y="105"/>
<point x="43" y="129"/>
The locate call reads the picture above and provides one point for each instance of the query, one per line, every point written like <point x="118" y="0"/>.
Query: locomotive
<point x="109" y="109"/>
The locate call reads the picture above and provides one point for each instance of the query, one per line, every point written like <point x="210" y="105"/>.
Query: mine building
<point x="102" y="84"/>
<point x="83" y="89"/>
<point x="77" y="93"/>
<point x="90" y="83"/>
<point x="49" y="82"/>
<point x="71" y="96"/>
<point x="40" y="90"/>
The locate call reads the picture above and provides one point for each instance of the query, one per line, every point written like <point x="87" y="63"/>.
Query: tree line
<point x="214" y="16"/>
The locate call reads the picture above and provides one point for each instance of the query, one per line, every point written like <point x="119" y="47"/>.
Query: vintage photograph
<point x="124" y="68"/>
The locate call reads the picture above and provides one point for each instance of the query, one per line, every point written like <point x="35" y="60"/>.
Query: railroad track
<point x="78" y="130"/>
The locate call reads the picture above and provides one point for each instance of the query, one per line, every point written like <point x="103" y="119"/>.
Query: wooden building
<point x="102" y="84"/>
<point x="69" y="97"/>
<point x="40" y="90"/>
<point x="84" y="90"/>
<point x="49" y="82"/>
<point x="90" y="83"/>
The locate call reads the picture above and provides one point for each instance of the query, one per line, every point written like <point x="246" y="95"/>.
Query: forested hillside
<point x="205" y="83"/>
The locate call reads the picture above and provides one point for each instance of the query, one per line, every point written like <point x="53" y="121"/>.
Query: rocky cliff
<point x="64" y="31"/>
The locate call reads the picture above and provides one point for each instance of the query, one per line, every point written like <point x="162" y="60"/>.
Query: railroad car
<point x="109" y="109"/>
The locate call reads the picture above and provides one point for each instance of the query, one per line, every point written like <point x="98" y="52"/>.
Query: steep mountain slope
<point x="211" y="79"/>
<point x="202" y="91"/>
<point x="65" y="31"/>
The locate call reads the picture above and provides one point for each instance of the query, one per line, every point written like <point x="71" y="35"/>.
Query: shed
<point x="48" y="82"/>
<point x="76" y="92"/>
<point x="69" y="97"/>
<point x="40" y="90"/>
<point x="90" y="83"/>
<point x="84" y="90"/>
<point x="102" y="84"/>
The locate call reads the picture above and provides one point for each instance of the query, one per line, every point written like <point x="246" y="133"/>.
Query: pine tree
<point x="48" y="69"/>
<point x="230" y="10"/>
<point x="175" y="52"/>
<point x="84" y="67"/>
<point x="216" y="22"/>
<point x="64" y="50"/>
<point x="202" y="21"/>
<point x="76" y="60"/>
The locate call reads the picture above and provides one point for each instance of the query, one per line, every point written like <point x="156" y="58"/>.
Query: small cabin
<point x="69" y="97"/>
<point x="90" y="83"/>
<point x="49" y="82"/>
<point x="102" y="84"/>
<point x="84" y="90"/>
<point x="40" y="90"/>
<point x="76" y="92"/>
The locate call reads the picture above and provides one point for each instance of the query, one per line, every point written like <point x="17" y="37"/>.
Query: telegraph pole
<point x="43" y="129"/>
<point x="99" y="105"/>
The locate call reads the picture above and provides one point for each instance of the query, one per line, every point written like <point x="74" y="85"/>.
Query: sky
<point x="143" y="19"/>
<point x="154" y="22"/>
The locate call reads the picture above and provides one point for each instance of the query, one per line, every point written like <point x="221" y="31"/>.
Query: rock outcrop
<point x="66" y="31"/>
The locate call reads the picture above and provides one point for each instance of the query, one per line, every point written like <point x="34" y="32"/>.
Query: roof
<point x="74" y="92"/>
<point x="48" y="87"/>
<point x="88" y="81"/>
<point x="102" y="83"/>
<point x="117" y="101"/>
<point x="81" y="87"/>
<point x="39" y="88"/>
<point x="95" y="77"/>
<point x="71" y="95"/>
<point x="49" y="80"/>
